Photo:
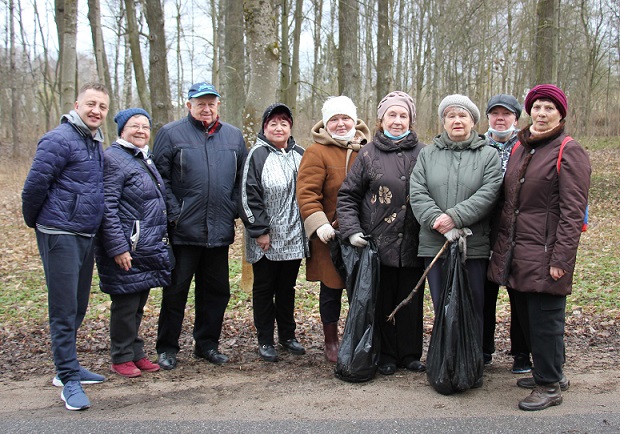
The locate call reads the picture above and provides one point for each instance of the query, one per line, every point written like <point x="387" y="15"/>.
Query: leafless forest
<point x="301" y="51"/>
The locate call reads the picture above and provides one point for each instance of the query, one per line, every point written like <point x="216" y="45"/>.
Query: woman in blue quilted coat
<point x="132" y="248"/>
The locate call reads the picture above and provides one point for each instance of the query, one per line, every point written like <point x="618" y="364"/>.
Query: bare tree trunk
<point x="215" y="68"/>
<point x="233" y="70"/>
<point x="317" y="67"/>
<point x="262" y="46"/>
<point x="295" y="70"/>
<point x="136" y="56"/>
<point x="13" y="78"/>
<point x="546" y="44"/>
<point x="348" y="62"/>
<point x="68" y="61"/>
<point x="285" y="62"/>
<point x="103" y="71"/>
<point x="161" y="106"/>
<point x="384" y="49"/>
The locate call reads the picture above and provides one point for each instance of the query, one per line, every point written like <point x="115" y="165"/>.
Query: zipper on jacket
<point x="181" y="163"/>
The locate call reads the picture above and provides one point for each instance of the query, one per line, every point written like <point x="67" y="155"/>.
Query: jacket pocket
<point x="135" y="235"/>
<point x="76" y="206"/>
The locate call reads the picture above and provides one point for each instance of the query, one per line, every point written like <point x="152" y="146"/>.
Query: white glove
<point x="325" y="233"/>
<point x="453" y="234"/>
<point x="357" y="240"/>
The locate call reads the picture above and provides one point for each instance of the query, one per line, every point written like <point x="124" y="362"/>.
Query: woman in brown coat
<point x="545" y="198"/>
<point x="337" y="139"/>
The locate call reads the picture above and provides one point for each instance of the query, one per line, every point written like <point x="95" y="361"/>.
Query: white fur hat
<point x="460" y="101"/>
<point x="338" y="105"/>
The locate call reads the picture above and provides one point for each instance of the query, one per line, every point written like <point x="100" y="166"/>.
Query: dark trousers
<point x="476" y="275"/>
<point x="68" y="262"/>
<point x="273" y="298"/>
<point x="517" y="339"/>
<point x="401" y="341"/>
<point x="542" y="320"/>
<point x="330" y="304"/>
<point x="209" y="267"/>
<point x="126" y="314"/>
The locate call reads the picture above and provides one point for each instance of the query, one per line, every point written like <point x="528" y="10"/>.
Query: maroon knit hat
<point x="550" y="92"/>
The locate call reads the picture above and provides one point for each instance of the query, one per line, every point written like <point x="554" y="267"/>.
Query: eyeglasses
<point x="138" y="127"/>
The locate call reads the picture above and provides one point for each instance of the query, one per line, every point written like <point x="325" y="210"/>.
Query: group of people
<point x="167" y="217"/>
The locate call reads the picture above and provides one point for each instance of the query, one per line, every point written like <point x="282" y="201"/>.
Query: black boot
<point x="542" y="396"/>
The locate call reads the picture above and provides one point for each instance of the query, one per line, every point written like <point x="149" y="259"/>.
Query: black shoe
<point x="522" y="364"/>
<point x="167" y="361"/>
<point x="542" y="397"/>
<point x="387" y="369"/>
<point x="487" y="358"/>
<point x="530" y="383"/>
<point x="293" y="347"/>
<point x="416" y="366"/>
<point x="268" y="353"/>
<point x="213" y="356"/>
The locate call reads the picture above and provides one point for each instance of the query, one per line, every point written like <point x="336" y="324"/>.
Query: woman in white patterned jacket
<point x="275" y="242"/>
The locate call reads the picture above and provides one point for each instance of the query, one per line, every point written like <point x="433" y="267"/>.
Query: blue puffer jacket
<point x="134" y="206"/>
<point x="201" y="170"/>
<point x="64" y="188"/>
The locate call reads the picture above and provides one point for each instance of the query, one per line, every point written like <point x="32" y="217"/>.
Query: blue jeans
<point x="68" y="262"/>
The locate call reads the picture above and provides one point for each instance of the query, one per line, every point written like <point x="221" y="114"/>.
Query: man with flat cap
<point x="200" y="159"/>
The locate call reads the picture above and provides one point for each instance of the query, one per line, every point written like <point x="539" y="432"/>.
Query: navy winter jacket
<point x="201" y="170"/>
<point x="134" y="206"/>
<point x="64" y="188"/>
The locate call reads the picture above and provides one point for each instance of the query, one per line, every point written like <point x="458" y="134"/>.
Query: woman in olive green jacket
<point x="455" y="185"/>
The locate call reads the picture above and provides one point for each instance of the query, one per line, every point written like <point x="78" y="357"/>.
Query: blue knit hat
<point x="123" y="116"/>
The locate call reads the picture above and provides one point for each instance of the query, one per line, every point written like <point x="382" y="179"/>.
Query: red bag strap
<point x="559" y="163"/>
<point x="564" y="142"/>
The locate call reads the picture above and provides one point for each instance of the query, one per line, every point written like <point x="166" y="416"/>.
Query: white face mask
<point x="502" y="134"/>
<point x="348" y="136"/>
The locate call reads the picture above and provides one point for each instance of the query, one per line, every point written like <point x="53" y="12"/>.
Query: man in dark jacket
<point x="63" y="200"/>
<point x="200" y="160"/>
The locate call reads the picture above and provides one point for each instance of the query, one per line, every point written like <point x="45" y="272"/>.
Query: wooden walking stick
<point x="392" y="316"/>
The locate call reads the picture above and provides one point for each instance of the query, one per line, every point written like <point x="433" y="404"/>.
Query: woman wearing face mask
<point x="545" y="198"/>
<point x="338" y="138"/>
<point x="373" y="202"/>
<point x="455" y="186"/>
<point x="503" y="112"/>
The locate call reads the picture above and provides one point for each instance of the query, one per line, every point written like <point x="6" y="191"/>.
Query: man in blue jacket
<point x="200" y="159"/>
<point x="63" y="200"/>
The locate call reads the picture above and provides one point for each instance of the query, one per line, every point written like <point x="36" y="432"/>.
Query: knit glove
<point x="358" y="240"/>
<point x="452" y="235"/>
<point x="325" y="233"/>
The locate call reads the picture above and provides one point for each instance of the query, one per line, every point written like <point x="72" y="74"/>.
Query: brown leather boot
<point x="542" y="397"/>
<point x="331" y="341"/>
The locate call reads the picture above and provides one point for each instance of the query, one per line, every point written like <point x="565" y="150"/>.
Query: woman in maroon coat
<point x="545" y="199"/>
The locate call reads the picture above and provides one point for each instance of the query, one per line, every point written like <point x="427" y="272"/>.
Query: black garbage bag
<point x="454" y="360"/>
<point x="346" y="260"/>
<point x="358" y="355"/>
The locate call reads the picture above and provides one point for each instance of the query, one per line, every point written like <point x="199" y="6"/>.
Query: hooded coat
<point x="542" y="214"/>
<point x="373" y="199"/>
<point x="461" y="179"/>
<point x="323" y="168"/>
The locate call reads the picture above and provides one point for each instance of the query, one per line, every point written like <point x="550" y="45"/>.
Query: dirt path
<point x="300" y="388"/>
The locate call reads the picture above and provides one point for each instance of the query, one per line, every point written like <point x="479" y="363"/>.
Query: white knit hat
<point x="460" y="101"/>
<point x="338" y="105"/>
